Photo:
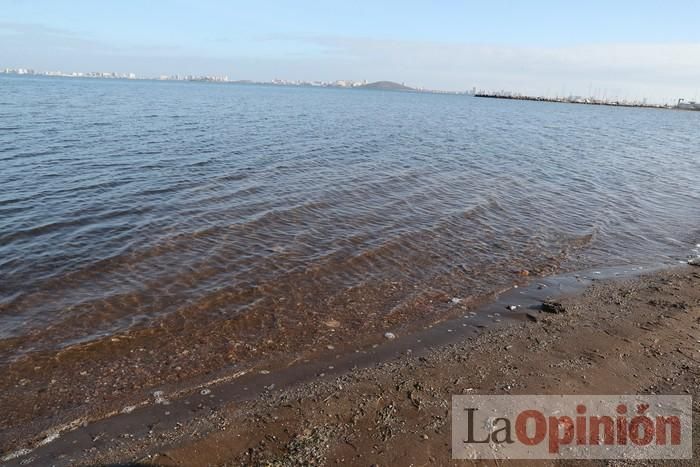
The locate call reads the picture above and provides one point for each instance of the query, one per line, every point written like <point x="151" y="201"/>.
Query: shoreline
<point x="563" y="100"/>
<point x="206" y="414"/>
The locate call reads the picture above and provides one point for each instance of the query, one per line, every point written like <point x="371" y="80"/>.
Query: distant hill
<point x="386" y="86"/>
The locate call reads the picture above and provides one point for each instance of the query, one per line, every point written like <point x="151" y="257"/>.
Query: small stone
<point x="425" y="436"/>
<point x="159" y="398"/>
<point x="330" y="347"/>
<point x="333" y="323"/>
<point x="550" y="306"/>
<point x="389" y="335"/>
<point x="524" y="272"/>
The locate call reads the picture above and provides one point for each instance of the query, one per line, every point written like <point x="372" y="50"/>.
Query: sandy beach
<point x="619" y="336"/>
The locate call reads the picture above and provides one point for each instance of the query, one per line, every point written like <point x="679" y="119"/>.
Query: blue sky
<point x="535" y="46"/>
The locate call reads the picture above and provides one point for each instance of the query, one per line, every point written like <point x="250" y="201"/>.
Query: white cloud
<point x="659" y="71"/>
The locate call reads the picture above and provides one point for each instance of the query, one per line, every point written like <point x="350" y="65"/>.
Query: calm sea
<point x="129" y="205"/>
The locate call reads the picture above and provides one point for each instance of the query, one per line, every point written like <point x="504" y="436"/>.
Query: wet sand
<point x="624" y="336"/>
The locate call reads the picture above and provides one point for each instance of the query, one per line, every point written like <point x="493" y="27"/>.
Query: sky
<point x="616" y="49"/>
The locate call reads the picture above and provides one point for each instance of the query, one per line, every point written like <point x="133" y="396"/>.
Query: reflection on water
<point x="134" y="205"/>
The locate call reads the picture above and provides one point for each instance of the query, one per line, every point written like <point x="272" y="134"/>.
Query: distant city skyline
<point x="597" y="95"/>
<point x="630" y="50"/>
<point x="339" y="83"/>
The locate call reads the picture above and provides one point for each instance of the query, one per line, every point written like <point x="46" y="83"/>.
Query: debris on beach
<point x="455" y="301"/>
<point x="389" y="335"/>
<point x="694" y="261"/>
<point x="512" y="307"/>
<point x="550" y="306"/>
<point x="159" y="398"/>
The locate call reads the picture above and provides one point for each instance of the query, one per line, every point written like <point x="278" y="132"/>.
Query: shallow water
<point x="135" y="205"/>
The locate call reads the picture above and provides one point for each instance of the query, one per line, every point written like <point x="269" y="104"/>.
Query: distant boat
<point x="687" y="105"/>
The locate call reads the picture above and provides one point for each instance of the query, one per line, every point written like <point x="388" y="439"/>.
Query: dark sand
<point x="617" y="337"/>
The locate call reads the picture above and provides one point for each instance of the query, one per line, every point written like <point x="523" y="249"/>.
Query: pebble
<point x="159" y="397"/>
<point x="550" y="306"/>
<point x="533" y="317"/>
<point x="389" y="335"/>
<point x="205" y="391"/>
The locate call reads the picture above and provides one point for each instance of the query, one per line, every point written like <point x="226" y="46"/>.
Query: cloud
<point x="628" y="69"/>
<point x="661" y="72"/>
<point x="34" y="35"/>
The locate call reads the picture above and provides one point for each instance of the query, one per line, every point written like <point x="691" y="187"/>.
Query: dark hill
<point x="386" y="86"/>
